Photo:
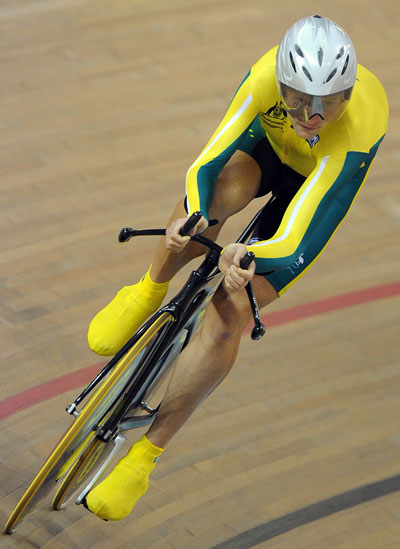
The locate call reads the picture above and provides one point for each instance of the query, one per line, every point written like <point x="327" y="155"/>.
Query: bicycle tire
<point x="86" y="469"/>
<point x="69" y="448"/>
<point x="79" y="472"/>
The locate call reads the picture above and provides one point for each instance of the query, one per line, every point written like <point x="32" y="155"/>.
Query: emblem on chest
<point x="275" y="116"/>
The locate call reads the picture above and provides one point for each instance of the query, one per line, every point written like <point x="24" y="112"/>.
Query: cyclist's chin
<point x="307" y="130"/>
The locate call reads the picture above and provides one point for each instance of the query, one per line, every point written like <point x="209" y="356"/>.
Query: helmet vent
<point x="292" y="62"/>
<point x="331" y="75"/>
<point x="340" y="53"/>
<point x="345" y="65"/>
<point x="320" y="56"/>
<point x="308" y="74"/>
<point x="299" y="51"/>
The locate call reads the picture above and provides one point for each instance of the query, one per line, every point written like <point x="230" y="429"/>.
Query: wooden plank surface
<point x="103" y="106"/>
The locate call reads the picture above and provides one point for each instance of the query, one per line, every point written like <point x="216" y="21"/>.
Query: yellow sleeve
<point x="317" y="209"/>
<point x="203" y="173"/>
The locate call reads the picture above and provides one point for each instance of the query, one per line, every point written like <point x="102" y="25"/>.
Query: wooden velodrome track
<point x="103" y="106"/>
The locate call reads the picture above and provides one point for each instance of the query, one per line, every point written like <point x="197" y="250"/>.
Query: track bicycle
<point x="127" y="393"/>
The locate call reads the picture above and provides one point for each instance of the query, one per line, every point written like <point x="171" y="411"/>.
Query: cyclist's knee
<point x="233" y="313"/>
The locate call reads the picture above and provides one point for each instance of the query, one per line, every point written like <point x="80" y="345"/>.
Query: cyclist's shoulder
<point x="364" y="123"/>
<point x="367" y="77"/>
<point x="262" y="79"/>
<point x="262" y="72"/>
<point x="368" y="107"/>
<point x="369" y="91"/>
<point x="268" y="59"/>
<point x="368" y="110"/>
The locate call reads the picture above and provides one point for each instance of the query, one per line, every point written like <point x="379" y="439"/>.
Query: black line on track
<point x="311" y="513"/>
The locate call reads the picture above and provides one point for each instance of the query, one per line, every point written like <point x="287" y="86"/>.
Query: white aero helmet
<point x="316" y="57"/>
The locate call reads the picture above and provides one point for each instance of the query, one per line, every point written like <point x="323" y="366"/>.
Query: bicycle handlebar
<point x="127" y="233"/>
<point x="246" y="260"/>
<point x="190" y="224"/>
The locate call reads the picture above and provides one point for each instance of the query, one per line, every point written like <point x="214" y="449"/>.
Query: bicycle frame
<point x="129" y="379"/>
<point x="185" y="303"/>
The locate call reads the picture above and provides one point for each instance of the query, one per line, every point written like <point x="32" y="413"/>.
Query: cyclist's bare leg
<point x="208" y="358"/>
<point x="111" y="328"/>
<point x="198" y="371"/>
<point x="236" y="186"/>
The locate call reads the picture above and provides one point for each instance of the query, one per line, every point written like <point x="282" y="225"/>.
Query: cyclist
<point x="304" y="125"/>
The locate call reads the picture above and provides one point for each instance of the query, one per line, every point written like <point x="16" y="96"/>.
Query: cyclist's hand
<point x="174" y="241"/>
<point x="229" y="263"/>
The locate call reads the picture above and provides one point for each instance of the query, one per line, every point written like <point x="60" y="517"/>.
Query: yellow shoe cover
<point x="111" y="328"/>
<point x="115" y="496"/>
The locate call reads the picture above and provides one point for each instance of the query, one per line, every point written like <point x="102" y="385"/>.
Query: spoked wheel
<point x="98" y="454"/>
<point x="87" y="470"/>
<point x="81" y="436"/>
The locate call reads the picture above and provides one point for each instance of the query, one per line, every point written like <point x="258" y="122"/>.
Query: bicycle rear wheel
<point x="86" y="471"/>
<point x="99" y="454"/>
<point x="82" y="432"/>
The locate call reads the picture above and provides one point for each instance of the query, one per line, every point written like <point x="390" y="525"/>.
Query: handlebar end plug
<point x="125" y="234"/>
<point x="258" y="331"/>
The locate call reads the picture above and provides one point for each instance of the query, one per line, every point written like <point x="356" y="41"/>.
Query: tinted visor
<point x="303" y="106"/>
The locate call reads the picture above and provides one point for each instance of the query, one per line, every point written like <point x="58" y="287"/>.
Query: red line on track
<point x="330" y="304"/>
<point x="47" y="390"/>
<point x="79" y="378"/>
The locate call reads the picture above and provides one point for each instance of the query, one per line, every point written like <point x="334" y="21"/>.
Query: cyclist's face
<point x="308" y="113"/>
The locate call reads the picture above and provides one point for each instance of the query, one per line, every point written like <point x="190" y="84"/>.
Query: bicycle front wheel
<point x="140" y="412"/>
<point x="82" y="432"/>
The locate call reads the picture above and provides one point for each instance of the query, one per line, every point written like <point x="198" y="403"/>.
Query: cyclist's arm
<point x="202" y="174"/>
<point x="331" y="187"/>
